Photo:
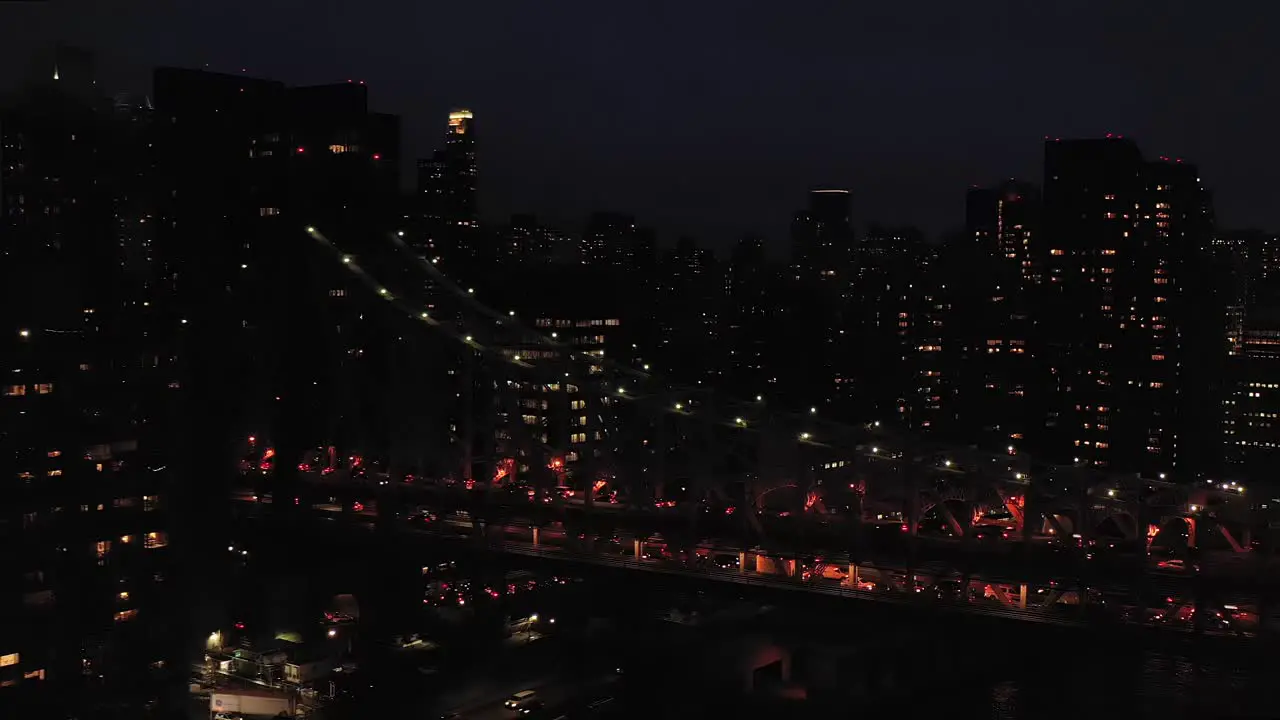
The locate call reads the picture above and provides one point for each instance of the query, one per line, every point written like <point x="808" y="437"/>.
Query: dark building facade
<point x="1125" y="238"/>
<point x="87" y="577"/>
<point x="996" y="274"/>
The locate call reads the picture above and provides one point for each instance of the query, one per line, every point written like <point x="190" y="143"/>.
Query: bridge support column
<point x="638" y="547"/>
<point x="742" y="561"/>
<point x="535" y="537"/>
<point x="1022" y="596"/>
<point x="853" y="576"/>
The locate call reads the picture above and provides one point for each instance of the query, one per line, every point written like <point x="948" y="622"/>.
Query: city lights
<point x="805" y="436"/>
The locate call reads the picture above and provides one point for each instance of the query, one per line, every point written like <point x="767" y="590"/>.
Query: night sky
<point x="712" y="118"/>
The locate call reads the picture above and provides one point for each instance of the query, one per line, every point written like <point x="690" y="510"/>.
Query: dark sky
<point x="712" y="117"/>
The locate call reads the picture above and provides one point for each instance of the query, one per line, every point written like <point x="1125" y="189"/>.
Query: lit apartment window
<point x="54" y="453"/>
<point x="578" y="438"/>
<point x="14" y="390"/>
<point x="1157" y="357"/>
<point x="43" y="388"/>
<point x="10" y="659"/>
<point x="126" y="615"/>
<point x="34" y="675"/>
<point x="150" y="502"/>
<point x="54" y="473"/>
<point x="103" y="547"/>
<point x="337" y="293"/>
<point x="268" y="211"/>
<point x="1057" y="251"/>
<point x="85" y="366"/>
<point x="155" y="540"/>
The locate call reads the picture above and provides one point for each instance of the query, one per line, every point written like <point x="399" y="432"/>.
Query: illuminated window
<point x="103" y="547"/>
<point x="14" y="390"/>
<point x="43" y="388"/>
<point x="34" y="675"/>
<point x="54" y="453"/>
<point x="268" y="212"/>
<point x="10" y="659"/>
<point x="342" y="148"/>
<point x="1157" y="357"/>
<point x="126" y="615"/>
<point x="150" y="502"/>
<point x="85" y="366"/>
<point x="578" y="438"/>
<point x="338" y="293"/>
<point x="54" y="473"/>
<point x="1057" y="251"/>
<point x="155" y="540"/>
<point x="1108" y="252"/>
<point x="126" y="539"/>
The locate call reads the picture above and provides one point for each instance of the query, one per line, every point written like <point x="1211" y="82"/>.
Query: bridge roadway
<point x="1104" y="562"/>
<point x="1161" y="599"/>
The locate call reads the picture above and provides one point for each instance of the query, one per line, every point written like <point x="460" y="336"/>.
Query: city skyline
<point x="747" y="132"/>
<point x="244" y="356"/>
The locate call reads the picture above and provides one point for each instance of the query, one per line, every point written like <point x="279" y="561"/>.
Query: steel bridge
<point x="661" y="443"/>
<point x="698" y="465"/>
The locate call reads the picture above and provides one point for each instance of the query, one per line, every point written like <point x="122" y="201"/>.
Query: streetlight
<point x="333" y="632"/>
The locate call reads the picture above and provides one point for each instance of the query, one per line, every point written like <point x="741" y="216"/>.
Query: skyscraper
<point x="447" y="180"/>
<point x="1124" y="239"/>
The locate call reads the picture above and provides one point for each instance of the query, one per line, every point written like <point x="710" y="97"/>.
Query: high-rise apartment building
<point x="822" y="237"/>
<point x="1251" y="403"/>
<point x="996" y="271"/>
<point x="1123" y="308"/>
<point x="87" y="578"/>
